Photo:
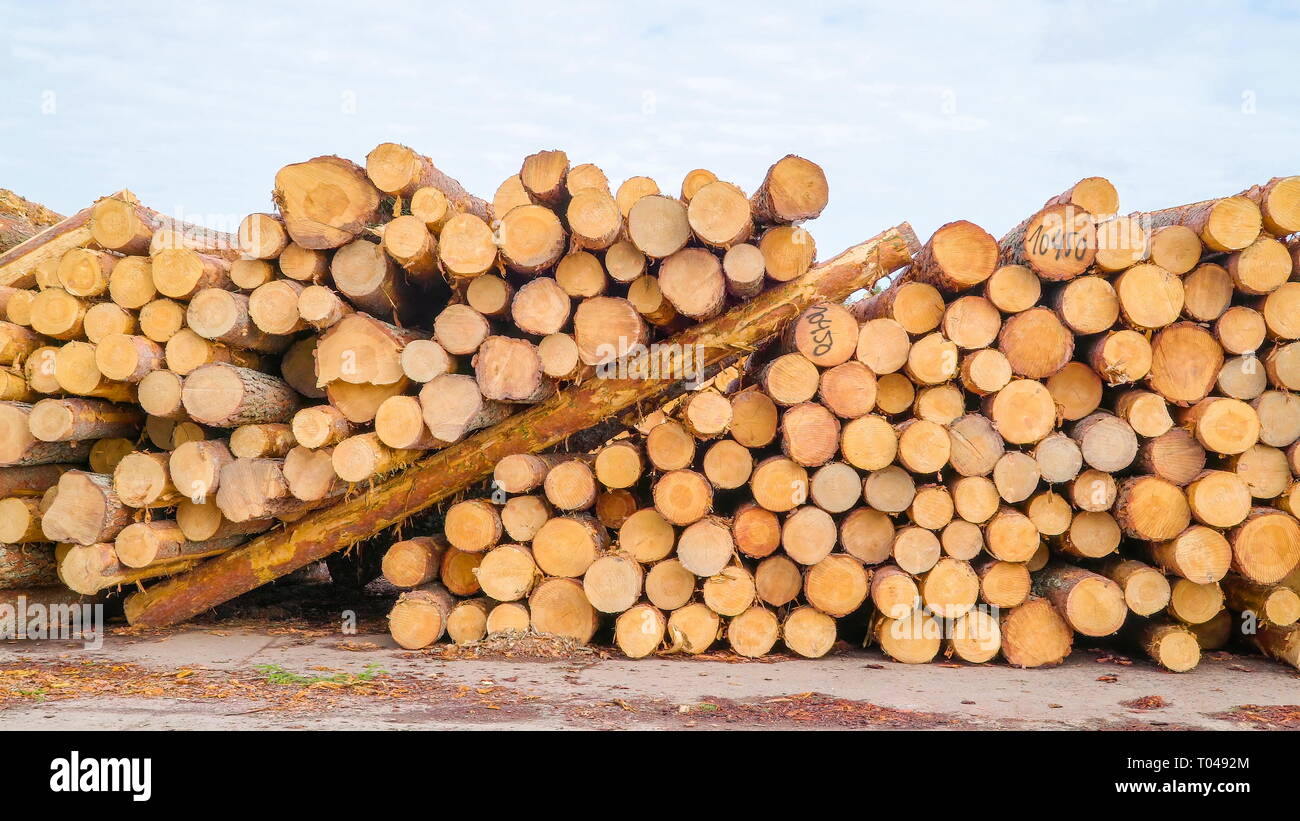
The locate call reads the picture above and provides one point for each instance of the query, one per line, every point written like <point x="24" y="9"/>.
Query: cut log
<point x="1266" y="546"/>
<point x="261" y="236"/>
<point x="1035" y="635"/>
<point x="508" y="572"/>
<point x="419" y="618"/>
<point x="86" y="510"/>
<point x="223" y="395"/>
<point x="559" y="607"/>
<point x="1171" y="645"/>
<point x="161" y="319"/>
<point x="1199" y="554"/>
<point x="793" y="190"/>
<point x="75" y="420"/>
<point x="326" y="202"/>
<point x="148" y="544"/>
<point x="143" y="480"/>
<point x="510" y="370"/>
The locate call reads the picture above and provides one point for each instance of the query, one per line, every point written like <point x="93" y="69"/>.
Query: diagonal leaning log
<point x="448" y="471"/>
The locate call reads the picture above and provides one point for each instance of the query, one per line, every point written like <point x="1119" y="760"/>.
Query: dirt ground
<point x="290" y="676"/>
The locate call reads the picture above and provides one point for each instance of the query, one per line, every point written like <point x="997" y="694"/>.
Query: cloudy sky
<point x="920" y="112"/>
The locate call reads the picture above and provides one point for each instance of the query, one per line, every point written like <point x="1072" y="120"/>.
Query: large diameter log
<point x="453" y="469"/>
<point x="325" y="202"/>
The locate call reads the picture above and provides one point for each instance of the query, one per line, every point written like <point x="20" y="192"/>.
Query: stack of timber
<point x="170" y="391"/>
<point x="1086" y="428"/>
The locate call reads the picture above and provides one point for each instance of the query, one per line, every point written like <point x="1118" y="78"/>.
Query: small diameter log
<point x="508" y="572"/>
<point x="531" y="239"/>
<point x="1151" y="508"/>
<point x="794" y="189"/>
<point x="204" y="522"/>
<point x="223" y="395"/>
<point x="594" y="219"/>
<point x="466" y="246"/>
<point x="363" y="456"/>
<point x="126" y="358"/>
<point x="706" y="547"/>
<point x="147" y="544"/>
<point x="1023" y="412"/>
<point x="408" y="240"/>
<point x="400" y="171"/>
<point x="371" y="280"/>
<point x="1003" y="584"/>
<point x="261" y="236"/>
<point x="399" y="423"/>
<point x="692" y="629"/>
<point x="1199" y="554"/>
<point x="658" y="226"/>
<point x="1107" y="442"/>
<point x="143" y="480"/>
<point x="180" y="273"/>
<point x="413" y="562"/>
<point x="467" y="621"/>
<point x="508" y="617"/>
<point x="624" y="262"/>
<point x="1146" y="590"/>
<point x="1035" y="343"/>
<point x="826" y="335"/>
<point x="420" y="616"/>
<point x="1281" y="643"/>
<point x="161" y="319"/>
<point x="640" y="630"/>
<point x="310" y="474"/>
<point x="1193" y="603"/>
<point x="1185" y="362"/>
<point x="607" y="329"/>
<point x="195" y="467"/>
<point x="321" y="307"/>
<point x="540" y="307"/>
<point x="579" y="274"/>
<point x="268" y="440"/>
<point x="1035" y="635"/>
<point x="20" y="520"/>
<point x="75" y="420"/>
<point x="85" y="511"/>
<point x="1171" y="645"/>
<point x="320" y="426"/>
<point x="186" y="351"/>
<point x="570" y="485"/>
<point x="90" y="568"/>
<point x="913" y="639"/>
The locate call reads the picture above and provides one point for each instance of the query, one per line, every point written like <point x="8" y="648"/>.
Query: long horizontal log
<point x="18" y="264"/>
<point x="451" y="470"/>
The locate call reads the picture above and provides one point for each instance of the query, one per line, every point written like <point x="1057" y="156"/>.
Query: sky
<point x="926" y="112"/>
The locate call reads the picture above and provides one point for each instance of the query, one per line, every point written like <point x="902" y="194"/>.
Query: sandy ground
<point x="218" y="677"/>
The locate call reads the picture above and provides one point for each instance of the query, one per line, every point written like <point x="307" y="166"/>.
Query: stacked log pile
<point x="171" y="391"/>
<point x="1087" y="428"/>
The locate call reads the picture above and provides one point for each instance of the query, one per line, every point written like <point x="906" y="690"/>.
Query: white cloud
<point x="928" y="112"/>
